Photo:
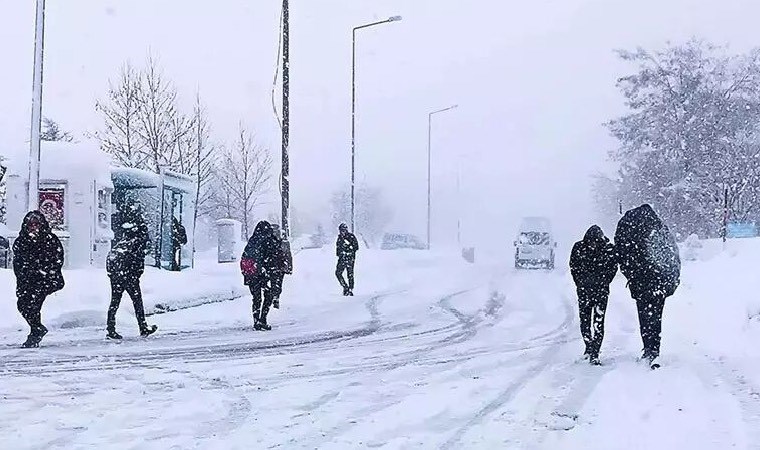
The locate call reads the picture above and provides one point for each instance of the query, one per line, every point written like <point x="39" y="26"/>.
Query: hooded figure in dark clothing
<point x="125" y="265"/>
<point x="593" y="266"/>
<point x="282" y="265"/>
<point x="649" y="259"/>
<point x="37" y="263"/>
<point x="345" y="249"/>
<point x="257" y="265"/>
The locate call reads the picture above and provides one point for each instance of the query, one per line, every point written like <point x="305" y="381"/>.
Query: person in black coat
<point x="282" y="265"/>
<point x="37" y="263"/>
<point x="345" y="249"/>
<point x="593" y="265"/>
<point x="649" y="259"/>
<point x="125" y="265"/>
<point x="257" y="265"/>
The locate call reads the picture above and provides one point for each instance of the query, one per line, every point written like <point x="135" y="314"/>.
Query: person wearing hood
<point x="282" y="264"/>
<point x="37" y="264"/>
<point x="650" y="261"/>
<point x="125" y="265"/>
<point x="593" y="265"/>
<point x="345" y="249"/>
<point x="256" y="265"/>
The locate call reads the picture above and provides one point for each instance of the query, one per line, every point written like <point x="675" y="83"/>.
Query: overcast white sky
<point x="535" y="80"/>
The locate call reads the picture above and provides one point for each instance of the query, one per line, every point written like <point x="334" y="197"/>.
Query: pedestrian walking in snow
<point x="125" y="265"/>
<point x="593" y="266"/>
<point x="649" y="259"/>
<point x="256" y="265"/>
<point x="37" y="263"/>
<point x="345" y="249"/>
<point x="282" y="265"/>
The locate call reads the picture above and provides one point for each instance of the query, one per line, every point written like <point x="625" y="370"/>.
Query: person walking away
<point x="256" y="264"/>
<point x="649" y="259"/>
<point x="125" y="265"/>
<point x="179" y="238"/>
<point x="593" y="265"/>
<point x="282" y="265"/>
<point x="37" y="263"/>
<point x="345" y="249"/>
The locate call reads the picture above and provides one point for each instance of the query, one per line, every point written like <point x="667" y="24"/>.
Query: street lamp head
<point x="394" y="19"/>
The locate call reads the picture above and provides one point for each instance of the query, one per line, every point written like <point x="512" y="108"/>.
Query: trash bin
<point x="229" y="235"/>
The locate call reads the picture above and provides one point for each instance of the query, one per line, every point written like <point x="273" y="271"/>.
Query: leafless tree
<point x="52" y="132"/>
<point x="240" y="179"/>
<point x="162" y="125"/>
<point x="121" y="110"/>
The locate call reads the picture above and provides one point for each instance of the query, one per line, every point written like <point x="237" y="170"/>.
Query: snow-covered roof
<point x="66" y="160"/>
<point x="127" y="177"/>
<point x="541" y="224"/>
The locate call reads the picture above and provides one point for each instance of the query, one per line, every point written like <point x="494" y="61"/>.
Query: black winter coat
<point x="647" y="253"/>
<point x="261" y="251"/>
<point x="127" y="257"/>
<point x="346" y="246"/>
<point x="38" y="260"/>
<point x="593" y="262"/>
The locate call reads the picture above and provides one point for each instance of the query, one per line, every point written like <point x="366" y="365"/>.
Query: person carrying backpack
<point x="649" y="259"/>
<point x="593" y="265"/>
<point x="256" y="265"/>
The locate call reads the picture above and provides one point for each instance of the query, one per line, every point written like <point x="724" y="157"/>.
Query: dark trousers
<point x="262" y="298"/>
<point x="345" y="264"/>
<point x="650" y="308"/>
<point x="274" y="287"/>
<point x="592" y="306"/>
<point x="131" y="287"/>
<point x="30" y="306"/>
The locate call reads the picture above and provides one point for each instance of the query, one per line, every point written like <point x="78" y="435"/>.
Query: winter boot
<point x="148" y="330"/>
<point x="113" y="335"/>
<point x="263" y="325"/>
<point x="276" y="303"/>
<point x="346" y="292"/>
<point x="654" y="363"/>
<point x="594" y="360"/>
<point x="32" y="341"/>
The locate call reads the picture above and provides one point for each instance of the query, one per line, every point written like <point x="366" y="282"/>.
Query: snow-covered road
<point x="441" y="356"/>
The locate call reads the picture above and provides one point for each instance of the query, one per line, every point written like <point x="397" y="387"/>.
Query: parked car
<point x="395" y="241"/>
<point x="535" y="245"/>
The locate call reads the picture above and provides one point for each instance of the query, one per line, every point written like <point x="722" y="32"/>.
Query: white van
<point x="535" y="244"/>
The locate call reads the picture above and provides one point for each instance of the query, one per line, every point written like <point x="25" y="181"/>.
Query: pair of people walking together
<point x="648" y="257"/>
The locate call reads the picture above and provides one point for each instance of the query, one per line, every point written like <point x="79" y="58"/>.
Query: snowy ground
<point x="431" y="353"/>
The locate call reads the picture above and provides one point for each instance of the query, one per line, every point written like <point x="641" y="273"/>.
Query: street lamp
<point x="34" y="142"/>
<point x="353" y="111"/>
<point x="429" y="166"/>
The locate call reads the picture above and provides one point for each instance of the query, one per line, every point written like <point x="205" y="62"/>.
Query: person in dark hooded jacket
<point x="649" y="259"/>
<point x="257" y="265"/>
<point x="593" y="266"/>
<point x="37" y="263"/>
<point x="346" y="247"/>
<point x="282" y="264"/>
<point x="125" y="265"/>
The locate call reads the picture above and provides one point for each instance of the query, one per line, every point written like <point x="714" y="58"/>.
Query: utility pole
<point x="285" y="120"/>
<point x="34" y="142"/>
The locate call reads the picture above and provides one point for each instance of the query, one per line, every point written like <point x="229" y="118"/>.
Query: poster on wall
<point x="52" y="207"/>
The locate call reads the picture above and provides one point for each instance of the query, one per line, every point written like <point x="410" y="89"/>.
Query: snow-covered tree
<point x="52" y="132"/>
<point x="372" y="212"/>
<point x="691" y="135"/>
<point x="240" y="179"/>
<point x="120" y="110"/>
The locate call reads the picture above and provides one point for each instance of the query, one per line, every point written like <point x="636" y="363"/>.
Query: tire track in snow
<point x="545" y="359"/>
